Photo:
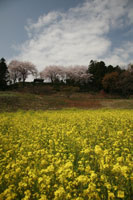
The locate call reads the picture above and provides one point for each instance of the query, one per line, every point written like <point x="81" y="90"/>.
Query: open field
<point x="13" y="101"/>
<point x="66" y="155"/>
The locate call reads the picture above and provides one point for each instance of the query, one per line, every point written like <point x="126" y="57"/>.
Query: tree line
<point x="94" y="77"/>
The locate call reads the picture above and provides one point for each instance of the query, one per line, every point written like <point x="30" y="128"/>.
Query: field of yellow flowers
<point x="66" y="155"/>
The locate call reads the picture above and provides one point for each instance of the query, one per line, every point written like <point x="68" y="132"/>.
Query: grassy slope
<point x="13" y="101"/>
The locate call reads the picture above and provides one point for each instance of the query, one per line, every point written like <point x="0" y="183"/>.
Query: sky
<point x="67" y="32"/>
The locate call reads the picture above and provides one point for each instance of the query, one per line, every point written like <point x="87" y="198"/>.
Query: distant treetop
<point x="2" y="60"/>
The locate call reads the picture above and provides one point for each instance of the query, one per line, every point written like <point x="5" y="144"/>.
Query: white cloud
<point x="75" y="36"/>
<point x="122" y="55"/>
<point x="130" y="15"/>
<point x="130" y="12"/>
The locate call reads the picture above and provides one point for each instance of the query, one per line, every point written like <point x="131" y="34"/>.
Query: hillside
<point x="13" y="101"/>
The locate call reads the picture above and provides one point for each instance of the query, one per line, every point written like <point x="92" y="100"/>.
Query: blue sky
<point x="67" y="32"/>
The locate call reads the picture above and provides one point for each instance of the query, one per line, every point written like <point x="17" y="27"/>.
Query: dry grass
<point x="13" y="101"/>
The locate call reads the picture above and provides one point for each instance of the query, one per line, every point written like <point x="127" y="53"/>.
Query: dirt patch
<point x="83" y="104"/>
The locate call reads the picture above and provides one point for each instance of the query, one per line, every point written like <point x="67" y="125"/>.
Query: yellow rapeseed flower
<point x="120" y="194"/>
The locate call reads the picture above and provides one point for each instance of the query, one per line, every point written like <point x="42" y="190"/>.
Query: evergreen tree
<point x="4" y="75"/>
<point x="98" y="70"/>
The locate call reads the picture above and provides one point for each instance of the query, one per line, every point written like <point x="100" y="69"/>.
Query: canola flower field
<point x="66" y="155"/>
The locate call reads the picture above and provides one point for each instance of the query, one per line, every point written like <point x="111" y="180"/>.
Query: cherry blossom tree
<point x="53" y="73"/>
<point x="78" y="74"/>
<point x="130" y="68"/>
<point x="21" y="70"/>
<point x="13" y="70"/>
<point x="75" y="74"/>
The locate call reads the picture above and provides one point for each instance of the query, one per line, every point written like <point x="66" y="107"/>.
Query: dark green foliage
<point x="98" y="70"/>
<point x="106" y="77"/>
<point x="110" y="69"/>
<point x="119" y="82"/>
<point x="4" y="75"/>
<point x="125" y="84"/>
<point x="110" y="82"/>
